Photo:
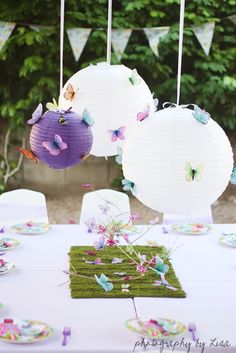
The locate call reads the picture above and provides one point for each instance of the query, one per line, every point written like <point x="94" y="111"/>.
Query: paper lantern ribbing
<point x="61" y="139"/>
<point x="177" y="164"/>
<point x="114" y="95"/>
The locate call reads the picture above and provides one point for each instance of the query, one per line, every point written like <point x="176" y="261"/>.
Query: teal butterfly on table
<point x="87" y="119"/>
<point x="160" y="268"/>
<point x="129" y="186"/>
<point x="201" y="115"/>
<point x="233" y="177"/>
<point x="135" y="79"/>
<point x="103" y="281"/>
<point x="193" y="174"/>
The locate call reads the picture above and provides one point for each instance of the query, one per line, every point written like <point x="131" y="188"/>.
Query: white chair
<point x="103" y="203"/>
<point x="22" y="205"/>
<point x="203" y="216"/>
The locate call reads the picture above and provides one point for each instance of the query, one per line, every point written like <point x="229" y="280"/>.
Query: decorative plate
<point x="192" y="228"/>
<point x="24" y="331"/>
<point x="156" y="328"/>
<point x="31" y="228"/>
<point x="229" y="240"/>
<point x="5" y="267"/>
<point x="8" y="243"/>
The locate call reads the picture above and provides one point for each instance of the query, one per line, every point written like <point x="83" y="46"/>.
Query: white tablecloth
<point x="207" y="272"/>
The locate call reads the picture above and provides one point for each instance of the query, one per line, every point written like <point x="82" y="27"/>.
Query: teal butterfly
<point x="193" y="174"/>
<point x="103" y="281"/>
<point x="135" y="79"/>
<point x="160" y="268"/>
<point x="86" y="117"/>
<point x="233" y="177"/>
<point x="129" y="186"/>
<point x="119" y="156"/>
<point x="201" y="115"/>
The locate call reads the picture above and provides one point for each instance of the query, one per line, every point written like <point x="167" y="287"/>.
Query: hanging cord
<point x="62" y="18"/>
<point x="109" y="24"/>
<point x="181" y="34"/>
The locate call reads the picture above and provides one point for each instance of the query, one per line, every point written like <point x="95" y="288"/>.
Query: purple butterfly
<point x="104" y="208"/>
<point x="117" y="134"/>
<point x="99" y="244"/>
<point x="56" y="146"/>
<point x="164" y="282"/>
<point x="37" y="114"/>
<point x="144" y="114"/>
<point x="91" y="224"/>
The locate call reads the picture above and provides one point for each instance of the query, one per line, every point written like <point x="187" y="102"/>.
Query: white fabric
<point x="106" y="92"/>
<point x="204" y="216"/>
<point x="205" y="269"/>
<point x="22" y="205"/>
<point x="94" y="200"/>
<point x="155" y="157"/>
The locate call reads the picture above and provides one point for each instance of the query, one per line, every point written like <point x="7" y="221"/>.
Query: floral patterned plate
<point x="24" y="331"/>
<point x="192" y="228"/>
<point x="156" y="328"/>
<point x="31" y="228"/>
<point x="229" y="240"/>
<point x="8" y="243"/>
<point x="5" y="267"/>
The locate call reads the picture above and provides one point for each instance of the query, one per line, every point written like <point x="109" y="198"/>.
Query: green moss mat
<point x="141" y="287"/>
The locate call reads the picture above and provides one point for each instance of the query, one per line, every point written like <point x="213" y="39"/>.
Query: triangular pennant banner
<point x="6" y="29"/>
<point x="119" y="39"/>
<point x="38" y="28"/>
<point x="204" y="34"/>
<point x="78" y="38"/>
<point x="233" y="18"/>
<point x="154" y="35"/>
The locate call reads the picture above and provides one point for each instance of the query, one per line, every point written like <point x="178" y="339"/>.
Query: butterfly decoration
<point x="119" y="156"/>
<point x="193" y="174"/>
<point x="91" y="224"/>
<point x="97" y="261"/>
<point x="201" y="115"/>
<point x="129" y="186"/>
<point x="142" y="258"/>
<point x="120" y="274"/>
<point x="55" y="147"/>
<point x="2" y="230"/>
<point x="69" y="93"/>
<point x="99" y="244"/>
<point x="29" y="154"/>
<point x="144" y="114"/>
<point x="117" y="260"/>
<point x="103" y="281"/>
<point x="164" y="282"/>
<point x="52" y="105"/>
<point x="135" y="79"/>
<point x="233" y="177"/>
<point x="152" y="243"/>
<point x="87" y="119"/>
<point x="104" y="208"/>
<point x="159" y="266"/>
<point x="62" y="121"/>
<point x="36" y="116"/>
<point x="117" y="134"/>
<point x="125" y="287"/>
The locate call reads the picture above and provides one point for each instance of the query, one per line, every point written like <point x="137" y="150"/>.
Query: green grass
<point x="141" y="287"/>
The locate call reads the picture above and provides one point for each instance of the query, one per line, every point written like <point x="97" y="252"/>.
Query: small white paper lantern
<point x="107" y="92"/>
<point x="177" y="164"/>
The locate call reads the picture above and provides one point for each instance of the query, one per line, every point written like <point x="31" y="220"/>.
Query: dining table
<point x="38" y="289"/>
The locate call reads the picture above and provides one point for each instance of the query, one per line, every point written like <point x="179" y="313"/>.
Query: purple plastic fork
<point x="192" y="329"/>
<point x="66" y="332"/>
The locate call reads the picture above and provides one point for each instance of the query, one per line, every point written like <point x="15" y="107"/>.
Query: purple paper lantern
<point x="61" y="139"/>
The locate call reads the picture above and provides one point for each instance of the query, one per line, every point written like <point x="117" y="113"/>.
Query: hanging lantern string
<point x="180" y="53"/>
<point x="62" y="20"/>
<point x="109" y="24"/>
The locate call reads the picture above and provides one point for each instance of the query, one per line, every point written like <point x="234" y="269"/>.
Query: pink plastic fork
<point x="66" y="332"/>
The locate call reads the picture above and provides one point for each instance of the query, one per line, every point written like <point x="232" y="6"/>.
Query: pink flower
<point x="87" y="186"/>
<point x="141" y="269"/>
<point x="2" y="262"/>
<point x="111" y="242"/>
<point x="126" y="237"/>
<point x="101" y="229"/>
<point x="134" y="217"/>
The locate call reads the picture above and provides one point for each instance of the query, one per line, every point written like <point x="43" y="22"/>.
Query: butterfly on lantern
<point x="56" y="146"/>
<point x="70" y="93"/>
<point x="28" y="154"/>
<point x="117" y="134"/>
<point x="129" y="186"/>
<point x="233" y="177"/>
<point x="37" y="115"/>
<point x="87" y="118"/>
<point x="201" y="115"/>
<point x="144" y="114"/>
<point x="193" y="174"/>
<point x="135" y="79"/>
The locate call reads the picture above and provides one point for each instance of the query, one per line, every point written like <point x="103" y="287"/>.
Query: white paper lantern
<point x="111" y="99"/>
<point x="177" y="164"/>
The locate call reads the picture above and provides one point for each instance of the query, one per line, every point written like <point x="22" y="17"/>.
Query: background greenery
<point x="29" y="62"/>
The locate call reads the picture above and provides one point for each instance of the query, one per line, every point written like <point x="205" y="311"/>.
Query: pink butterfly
<point x="36" y="116"/>
<point x="144" y="114"/>
<point x="56" y="146"/>
<point x="117" y="134"/>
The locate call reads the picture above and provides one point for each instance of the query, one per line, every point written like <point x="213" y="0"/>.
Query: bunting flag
<point x="6" y="29"/>
<point x="78" y="38"/>
<point x="233" y="18"/>
<point x="38" y="28"/>
<point x="154" y="35"/>
<point x="119" y="39"/>
<point x="204" y="34"/>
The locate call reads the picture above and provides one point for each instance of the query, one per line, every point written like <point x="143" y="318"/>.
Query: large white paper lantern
<point x="114" y="102"/>
<point x="177" y="164"/>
